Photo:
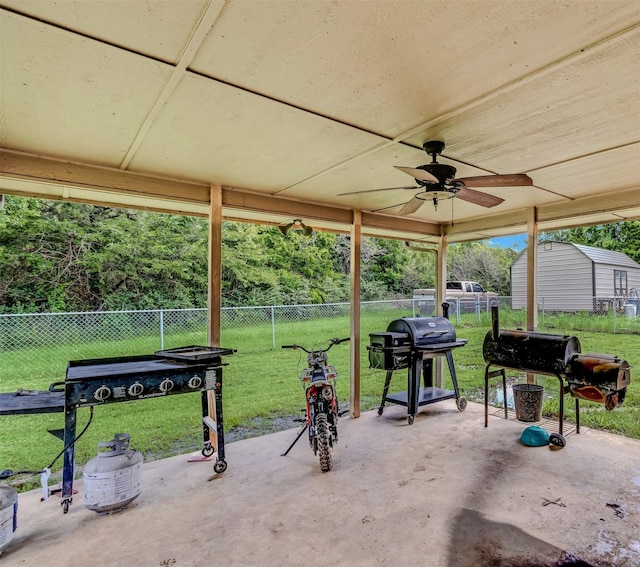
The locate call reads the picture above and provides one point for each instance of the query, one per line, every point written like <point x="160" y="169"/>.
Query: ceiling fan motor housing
<point x="445" y="174"/>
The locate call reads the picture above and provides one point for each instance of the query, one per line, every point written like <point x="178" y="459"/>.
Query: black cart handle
<point x="52" y="387"/>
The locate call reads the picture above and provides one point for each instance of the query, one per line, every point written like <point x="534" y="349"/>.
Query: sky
<point x="516" y="241"/>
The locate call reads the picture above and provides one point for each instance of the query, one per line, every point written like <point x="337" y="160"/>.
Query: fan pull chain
<point x="452" y="200"/>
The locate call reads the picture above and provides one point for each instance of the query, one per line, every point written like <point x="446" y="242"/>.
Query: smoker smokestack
<point x="495" y="324"/>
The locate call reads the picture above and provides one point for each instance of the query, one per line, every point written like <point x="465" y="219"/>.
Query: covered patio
<point x="267" y="112"/>
<point x="443" y="492"/>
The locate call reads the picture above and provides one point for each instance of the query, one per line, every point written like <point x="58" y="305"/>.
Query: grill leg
<point x="487" y="376"/>
<point x="452" y="371"/>
<point x="69" y="455"/>
<point x="577" y="415"/>
<point x="561" y="420"/>
<point x="387" y="382"/>
<point x="413" y="389"/>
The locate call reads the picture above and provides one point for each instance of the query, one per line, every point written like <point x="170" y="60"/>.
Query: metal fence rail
<point x="60" y="337"/>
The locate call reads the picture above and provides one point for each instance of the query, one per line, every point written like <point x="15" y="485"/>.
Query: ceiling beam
<point x="48" y="178"/>
<point x="27" y="167"/>
<point x="570" y="211"/>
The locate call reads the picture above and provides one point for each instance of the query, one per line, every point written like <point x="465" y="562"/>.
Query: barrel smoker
<point x="593" y="377"/>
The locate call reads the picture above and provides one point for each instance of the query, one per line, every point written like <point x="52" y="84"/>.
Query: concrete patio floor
<point x="443" y="492"/>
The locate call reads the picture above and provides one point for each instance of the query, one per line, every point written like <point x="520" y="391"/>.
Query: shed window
<point x="619" y="282"/>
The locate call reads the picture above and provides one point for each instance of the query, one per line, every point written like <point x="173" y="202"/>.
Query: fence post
<point x="273" y="327"/>
<point x="161" y="330"/>
<point x="614" y="314"/>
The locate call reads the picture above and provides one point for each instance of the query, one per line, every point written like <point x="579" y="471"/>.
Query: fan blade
<point x="419" y="174"/>
<point x="478" y="198"/>
<point x="411" y="207"/>
<point x="375" y="190"/>
<point x="513" y="180"/>
<point x="389" y="207"/>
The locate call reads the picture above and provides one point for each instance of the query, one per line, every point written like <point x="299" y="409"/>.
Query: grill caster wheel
<point x="208" y="450"/>
<point x="220" y="466"/>
<point x="65" y="506"/>
<point x="557" y="441"/>
<point x="410" y="420"/>
<point x="380" y="410"/>
<point x="461" y="403"/>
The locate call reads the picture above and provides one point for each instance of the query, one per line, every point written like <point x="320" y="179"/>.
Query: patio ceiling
<point x="287" y="105"/>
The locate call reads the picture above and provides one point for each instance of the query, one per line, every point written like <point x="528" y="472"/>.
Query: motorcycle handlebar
<point x="332" y="342"/>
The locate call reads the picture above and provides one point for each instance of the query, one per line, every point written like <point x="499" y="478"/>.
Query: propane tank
<point x="8" y="515"/>
<point x="112" y="479"/>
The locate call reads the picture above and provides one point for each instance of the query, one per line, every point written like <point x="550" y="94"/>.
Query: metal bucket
<point x="629" y="310"/>
<point x="8" y="515"/>
<point x="528" y="401"/>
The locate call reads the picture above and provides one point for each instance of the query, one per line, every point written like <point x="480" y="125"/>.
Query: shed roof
<point x="596" y="255"/>
<point x="602" y="256"/>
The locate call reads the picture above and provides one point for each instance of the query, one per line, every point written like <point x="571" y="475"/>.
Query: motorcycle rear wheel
<point x="323" y="437"/>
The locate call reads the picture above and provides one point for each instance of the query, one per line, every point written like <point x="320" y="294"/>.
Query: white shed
<point x="574" y="277"/>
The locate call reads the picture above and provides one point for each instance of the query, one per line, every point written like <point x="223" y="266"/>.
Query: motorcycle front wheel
<point x="323" y="438"/>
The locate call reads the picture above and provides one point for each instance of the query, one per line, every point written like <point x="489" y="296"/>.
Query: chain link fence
<point x="37" y="347"/>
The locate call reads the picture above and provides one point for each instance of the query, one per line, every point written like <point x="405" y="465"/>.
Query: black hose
<point x="7" y="473"/>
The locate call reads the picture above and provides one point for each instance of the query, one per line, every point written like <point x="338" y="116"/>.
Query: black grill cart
<point x="414" y="343"/>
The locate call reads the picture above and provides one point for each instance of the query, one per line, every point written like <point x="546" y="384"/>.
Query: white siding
<point x="519" y="282"/>
<point x="604" y="279"/>
<point x="569" y="276"/>
<point x="565" y="278"/>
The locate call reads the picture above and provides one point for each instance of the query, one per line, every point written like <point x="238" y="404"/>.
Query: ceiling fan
<point x="437" y="182"/>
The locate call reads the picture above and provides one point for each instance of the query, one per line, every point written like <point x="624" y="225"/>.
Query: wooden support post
<point x="441" y="294"/>
<point x="532" y="270"/>
<point x="214" y="294"/>
<point x="354" y="391"/>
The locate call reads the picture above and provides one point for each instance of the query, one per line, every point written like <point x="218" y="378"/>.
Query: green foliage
<point x="58" y="256"/>
<point x="477" y="261"/>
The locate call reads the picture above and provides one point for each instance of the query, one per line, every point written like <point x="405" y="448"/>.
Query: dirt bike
<point x="319" y="382"/>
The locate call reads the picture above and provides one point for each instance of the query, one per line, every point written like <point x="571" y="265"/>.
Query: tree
<point x="477" y="261"/>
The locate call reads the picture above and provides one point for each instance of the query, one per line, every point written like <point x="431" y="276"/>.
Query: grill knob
<point x="195" y="382"/>
<point x="136" y="389"/>
<point x="166" y="385"/>
<point x="102" y="393"/>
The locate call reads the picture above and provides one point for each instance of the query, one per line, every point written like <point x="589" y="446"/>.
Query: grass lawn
<point x="260" y="386"/>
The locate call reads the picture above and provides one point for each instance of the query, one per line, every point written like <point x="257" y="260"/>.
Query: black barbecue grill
<point x="109" y="380"/>
<point x="414" y="343"/>
<point x="594" y="377"/>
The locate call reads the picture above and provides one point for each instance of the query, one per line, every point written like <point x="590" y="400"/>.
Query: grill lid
<point x="424" y="331"/>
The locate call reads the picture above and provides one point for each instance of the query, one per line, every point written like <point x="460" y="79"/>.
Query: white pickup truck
<point x="462" y="297"/>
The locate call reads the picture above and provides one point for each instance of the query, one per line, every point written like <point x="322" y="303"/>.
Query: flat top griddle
<point x="93" y="369"/>
<point x="161" y="361"/>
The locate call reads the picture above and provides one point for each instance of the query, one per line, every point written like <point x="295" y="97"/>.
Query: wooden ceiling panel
<point x="213" y="132"/>
<point x="69" y="96"/>
<point x="573" y="110"/>
<point x="390" y="66"/>
<point x="158" y="29"/>
<point x="615" y="169"/>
